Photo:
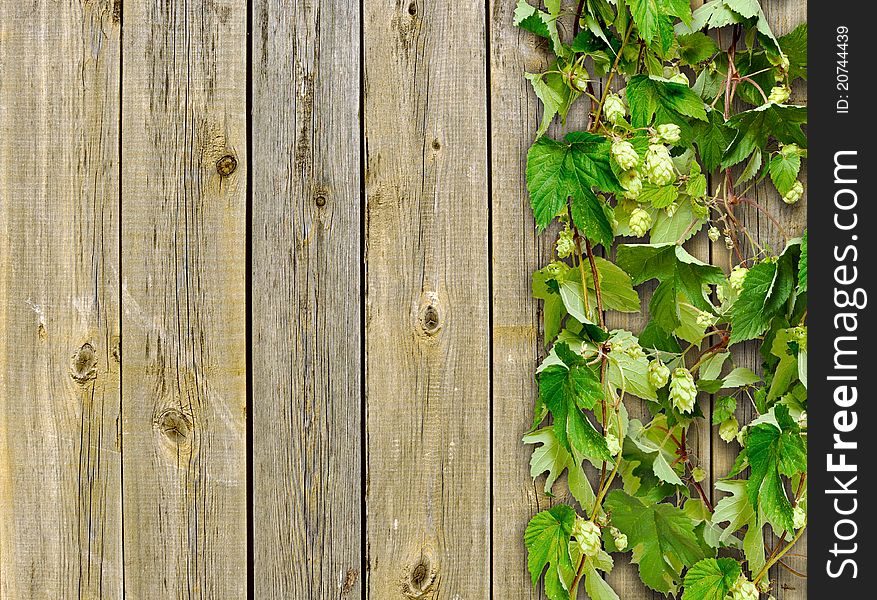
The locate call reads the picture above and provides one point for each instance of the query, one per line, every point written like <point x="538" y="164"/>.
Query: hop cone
<point x="659" y="165"/>
<point x="683" y="392"/>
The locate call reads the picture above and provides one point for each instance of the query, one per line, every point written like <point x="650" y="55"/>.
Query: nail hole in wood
<point x="412" y="9"/>
<point x="320" y="200"/>
<point x="174" y="426"/>
<point x="226" y="165"/>
<point x="83" y="364"/>
<point x="436" y="144"/>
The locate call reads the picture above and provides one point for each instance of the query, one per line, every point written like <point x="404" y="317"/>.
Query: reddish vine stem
<point x="684" y="449"/>
<point x="765" y="212"/>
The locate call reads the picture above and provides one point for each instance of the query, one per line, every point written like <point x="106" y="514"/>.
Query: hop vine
<point x="696" y="111"/>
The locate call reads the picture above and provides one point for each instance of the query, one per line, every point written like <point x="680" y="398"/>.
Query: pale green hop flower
<point x="671" y="209"/>
<point x="659" y="374"/>
<point x="737" y="277"/>
<point x="743" y="589"/>
<point x="794" y="194"/>
<point x="698" y="474"/>
<point x="619" y="538"/>
<point x="565" y="244"/>
<point x="614" y="109"/>
<point x="640" y="222"/>
<point x="729" y="428"/>
<point x="714" y="234"/>
<point x="683" y="391"/>
<point x="587" y="534"/>
<point x="632" y="183"/>
<point x="779" y="94"/>
<point x="669" y="133"/>
<point x="659" y="166"/>
<point x="624" y="154"/>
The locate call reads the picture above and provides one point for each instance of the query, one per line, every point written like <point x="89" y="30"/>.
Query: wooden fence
<point x="265" y="321"/>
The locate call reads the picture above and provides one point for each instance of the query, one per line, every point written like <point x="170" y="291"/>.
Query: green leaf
<point x="647" y="14"/>
<point x="529" y="18"/>
<point x="755" y="127"/>
<point x="714" y="14"/>
<point x="557" y="171"/>
<point x="794" y="45"/>
<point x="711" y="579"/>
<point x="597" y="587"/>
<point x="740" y="377"/>
<point x="784" y="171"/>
<point x="748" y="316"/>
<point x="555" y="94"/>
<point x="712" y="139"/>
<point x="738" y="512"/>
<point x="659" y="197"/>
<point x="651" y="97"/>
<point x="553" y="458"/>
<point x="723" y="408"/>
<point x="752" y="167"/>
<point x="682" y="226"/>
<point x="547" y="540"/>
<point x="772" y="453"/>
<point x="802" y="266"/>
<point x="662" y="538"/>
<point x="567" y="390"/>
<point x="696" y="47"/>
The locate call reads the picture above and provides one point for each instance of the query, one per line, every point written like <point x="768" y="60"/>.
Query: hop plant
<point x="587" y="535"/>
<point x="794" y="194"/>
<point x="728" y="429"/>
<point x="624" y="154"/>
<point x="671" y="209"/>
<point x="704" y="319"/>
<point x="799" y="517"/>
<point x="779" y="94"/>
<point x="613" y="444"/>
<point x="632" y="183"/>
<point x="683" y="392"/>
<point x="737" y="277"/>
<point x="556" y="268"/>
<point x="790" y="149"/>
<point x="640" y="222"/>
<point x="714" y="234"/>
<point x="619" y="538"/>
<point x="743" y="589"/>
<point x="659" y="374"/>
<point x="577" y="77"/>
<point x="659" y="166"/>
<point x="614" y="109"/>
<point x="729" y="243"/>
<point x="698" y="474"/>
<point x="565" y="244"/>
<point x="802" y="421"/>
<point x="669" y="133"/>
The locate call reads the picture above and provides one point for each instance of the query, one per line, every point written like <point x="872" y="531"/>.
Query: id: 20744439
<point x="842" y="79"/>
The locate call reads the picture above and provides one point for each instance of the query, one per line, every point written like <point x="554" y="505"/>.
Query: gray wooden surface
<point x="316" y="244"/>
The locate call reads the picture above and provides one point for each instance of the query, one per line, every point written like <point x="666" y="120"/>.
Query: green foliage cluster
<point x="687" y="98"/>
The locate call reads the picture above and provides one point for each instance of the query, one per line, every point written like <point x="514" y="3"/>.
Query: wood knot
<point x="226" y="165"/>
<point x="117" y="349"/>
<point x="436" y="144"/>
<point x="420" y="577"/>
<point x="83" y="364"/>
<point x="320" y="200"/>
<point x="412" y="9"/>
<point x="174" y="426"/>
<point x="349" y="581"/>
<point x="429" y="318"/>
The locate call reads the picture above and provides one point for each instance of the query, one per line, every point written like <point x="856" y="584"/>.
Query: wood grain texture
<point x="60" y="462"/>
<point x="306" y="300"/>
<point x="183" y="299"/>
<point x="427" y="306"/>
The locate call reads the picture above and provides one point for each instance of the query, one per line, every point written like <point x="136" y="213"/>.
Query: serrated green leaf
<point x="748" y="316"/>
<point x="712" y="139"/>
<point x="794" y="45"/>
<point x="802" y="266"/>
<point x="711" y="579"/>
<point x="662" y="538"/>
<point x="755" y="127"/>
<point x="547" y="540"/>
<point x="740" y="377"/>
<point x="723" y="408"/>
<point x="784" y="171"/>
<point x="653" y="99"/>
<point x="696" y="47"/>
<point x="648" y="13"/>
<point x="752" y="167"/>
<point x="597" y="587"/>
<point x="557" y="171"/>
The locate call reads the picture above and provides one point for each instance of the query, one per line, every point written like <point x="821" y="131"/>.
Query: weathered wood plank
<point x="183" y="299"/>
<point x="427" y="307"/>
<point x="306" y="300"/>
<point x="60" y="462"/>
